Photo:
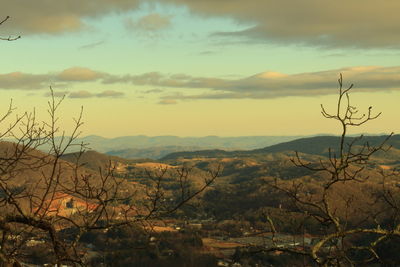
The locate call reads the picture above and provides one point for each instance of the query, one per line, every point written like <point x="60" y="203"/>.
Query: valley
<point x="247" y="208"/>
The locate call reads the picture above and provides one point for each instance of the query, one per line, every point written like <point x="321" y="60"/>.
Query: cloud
<point x="356" y="23"/>
<point x="168" y="102"/>
<point x="91" y="45"/>
<point x="79" y="74"/>
<point x="81" y="94"/>
<point x="56" y="94"/>
<point x="273" y="84"/>
<point x="28" y="81"/>
<point x="110" y="93"/>
<point x="53" y="17"/>
<point x="104" y="94"/>
<point x="162" y="80"/>
<point x="207" y="52"/>
<point x="268" y="84"/>
<point x="19" y="80"/>
<point x="153" y="91"/>
<point x="149" y="23"/>
<point x="142" y="79"/>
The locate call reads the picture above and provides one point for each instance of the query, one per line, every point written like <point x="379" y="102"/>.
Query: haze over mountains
<point x="317" y="145"/>
<point x="156" y="147"/>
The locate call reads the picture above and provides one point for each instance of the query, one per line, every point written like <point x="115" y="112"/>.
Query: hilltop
<point x="95" y="160"/>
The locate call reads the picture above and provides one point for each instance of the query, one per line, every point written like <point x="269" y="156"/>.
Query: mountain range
<point x="156" y="147"/>
<point x="317" y="145"/>
<point x="170" y="147"/>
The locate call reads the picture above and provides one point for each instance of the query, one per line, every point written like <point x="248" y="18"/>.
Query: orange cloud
<point x="79" y="74"/>
<point x="52" y="17"/>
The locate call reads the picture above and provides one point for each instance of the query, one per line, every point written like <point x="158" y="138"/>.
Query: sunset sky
<point x="202" y="67"/>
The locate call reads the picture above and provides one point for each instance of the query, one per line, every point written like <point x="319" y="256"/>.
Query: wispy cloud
<point x="207" y="53"/>
<point x="149" y="23"/>
<point x="79" y="74"/>
<point x="168" y="102"/>
<point x="29" y="81"/>
<point x="91" y="45"/>
<point x="104" y="94"/>
<point x="110" y="93"/>
<point x="81" y="94"/>
<point x="57" y="94"/>
<point x="153" y="91"/>
<point x="20" y="80"/>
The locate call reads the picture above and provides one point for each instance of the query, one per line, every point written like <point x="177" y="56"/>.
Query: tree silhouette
<point x="337" y="238"/>
<point x="9" y="38"/>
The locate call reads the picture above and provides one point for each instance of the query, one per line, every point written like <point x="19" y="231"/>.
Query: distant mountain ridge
<point x="317" y="145"/>
<point x="156" y="147"/>
<point x="103" y="144"/>
<point x="151" y="152"/>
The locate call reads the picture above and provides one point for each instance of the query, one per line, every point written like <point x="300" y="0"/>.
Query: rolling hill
<point x="95" y="160"/>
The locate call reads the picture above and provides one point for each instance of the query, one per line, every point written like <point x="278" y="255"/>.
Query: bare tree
<point x="9" y="38"/>
<point x="47" y="201"/>
<point x="341" y="240"/>
<point x="43" y="197"/>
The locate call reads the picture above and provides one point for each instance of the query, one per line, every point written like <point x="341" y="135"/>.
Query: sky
<point x="198" y="68"/>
